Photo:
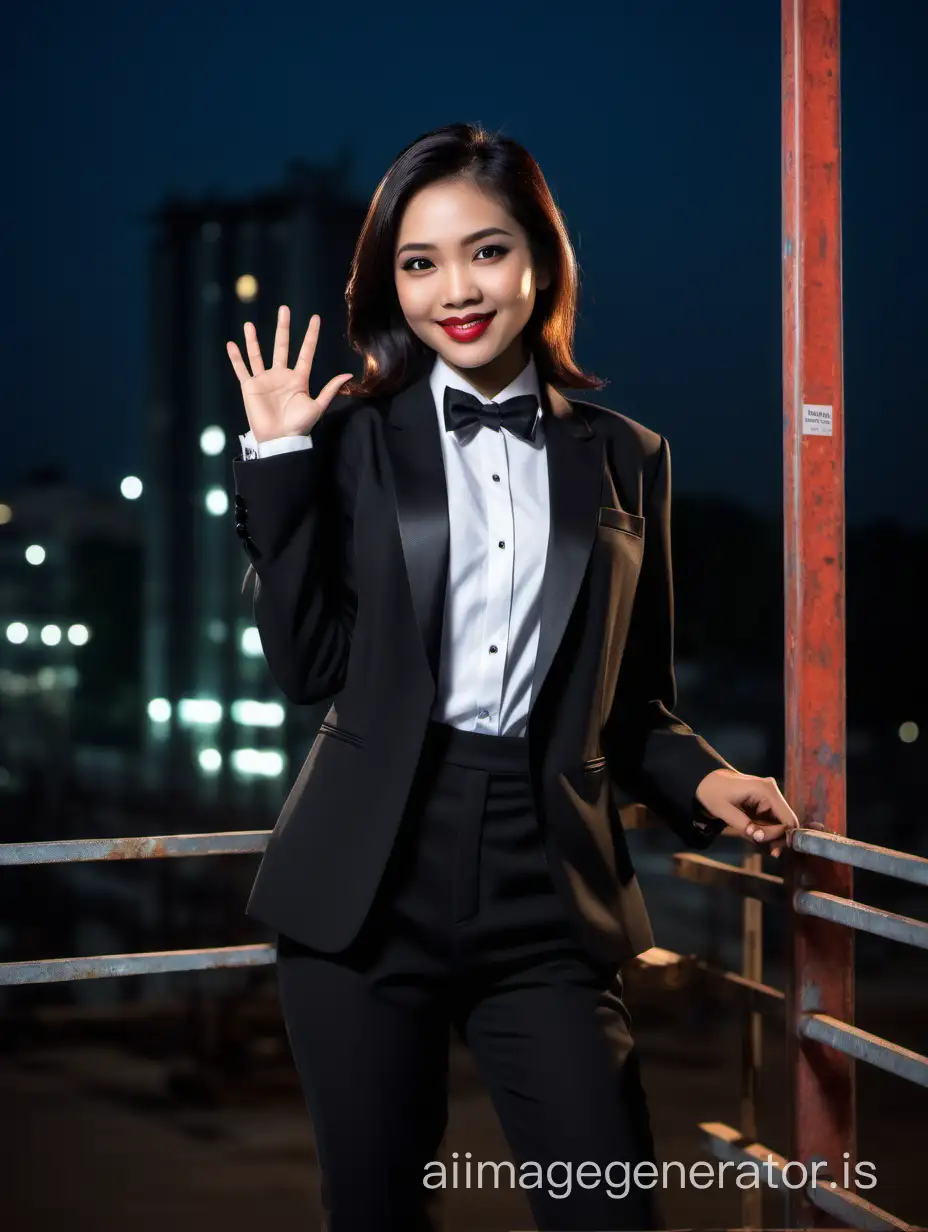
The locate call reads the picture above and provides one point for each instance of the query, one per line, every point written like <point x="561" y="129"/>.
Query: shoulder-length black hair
<point x="393" y="355"/>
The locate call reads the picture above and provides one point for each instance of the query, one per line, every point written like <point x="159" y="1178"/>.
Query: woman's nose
<point x="459" y="288"/>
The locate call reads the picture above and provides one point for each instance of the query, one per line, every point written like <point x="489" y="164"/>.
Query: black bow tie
<point x="519" y="414"/>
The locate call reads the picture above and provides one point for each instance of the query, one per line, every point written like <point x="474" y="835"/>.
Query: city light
<point x="17" y="632"/>
<point x="199" y="711"/>
<point x="35" y="554"/>
<point x="257" y="714"/>
<point x="131" y="487"/>
<point x="159" y="709"/>
<point x="6" y="514"/>
<point x="50" y="635"/>
<point x="212" y="440"/>
<point x="908" y="733"/>
<point x="217" y="501"/>
<point x="210" y="760"/>
<point x="262" y="763"/>
<point x="216" y="631"/>
<point x="78" y="635"/>
<point x="251" y="643"/>
<point x="246" y="288"/>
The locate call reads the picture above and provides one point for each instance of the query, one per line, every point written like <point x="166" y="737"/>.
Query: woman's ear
<point x="542" y="278"/>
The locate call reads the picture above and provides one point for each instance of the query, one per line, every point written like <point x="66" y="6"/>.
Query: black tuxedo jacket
<point x="349" y="541"/>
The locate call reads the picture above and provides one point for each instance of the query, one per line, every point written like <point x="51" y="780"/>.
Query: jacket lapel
<point x="421" y="508"/>
<point x="575" y="462"/>
<point x="575" y="469"/>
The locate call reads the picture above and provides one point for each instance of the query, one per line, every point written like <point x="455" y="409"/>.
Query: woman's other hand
<point x="751" y="805"/>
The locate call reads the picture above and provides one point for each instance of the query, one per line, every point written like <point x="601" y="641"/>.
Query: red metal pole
<point x="821" y="977"/>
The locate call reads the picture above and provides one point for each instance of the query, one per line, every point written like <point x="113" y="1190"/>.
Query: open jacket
<point x="349" y="541"/>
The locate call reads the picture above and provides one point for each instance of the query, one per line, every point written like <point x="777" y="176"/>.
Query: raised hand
<point x="277" y="401"/>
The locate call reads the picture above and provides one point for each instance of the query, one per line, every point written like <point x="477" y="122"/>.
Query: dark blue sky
<point x="656" y="124"/>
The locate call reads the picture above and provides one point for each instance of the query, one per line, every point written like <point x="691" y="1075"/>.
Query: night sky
<point x="656" y="124"/>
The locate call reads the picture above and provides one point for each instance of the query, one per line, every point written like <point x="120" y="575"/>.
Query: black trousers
<point x="467" y="930"/>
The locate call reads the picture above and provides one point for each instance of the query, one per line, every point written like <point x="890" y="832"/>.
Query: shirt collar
<point x="526" y="382"/>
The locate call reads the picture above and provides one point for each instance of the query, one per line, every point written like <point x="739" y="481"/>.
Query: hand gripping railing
<point x="748" y="881"/>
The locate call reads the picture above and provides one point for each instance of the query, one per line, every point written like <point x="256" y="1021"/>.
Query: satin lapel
<point x="421" y="507"/>
<point x="575" y="470"/>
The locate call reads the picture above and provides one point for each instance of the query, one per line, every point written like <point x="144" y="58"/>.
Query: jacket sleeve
<point x="652" y="755"/>
<point x="295" y="515"/>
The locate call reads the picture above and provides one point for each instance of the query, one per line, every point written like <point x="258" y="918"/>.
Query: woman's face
<point x="460" y="256"/>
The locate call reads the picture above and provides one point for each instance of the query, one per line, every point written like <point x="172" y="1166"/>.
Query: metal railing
<point x="825" y="1191"/>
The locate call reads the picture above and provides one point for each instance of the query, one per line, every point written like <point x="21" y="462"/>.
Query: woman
<point x="477" y="569"/>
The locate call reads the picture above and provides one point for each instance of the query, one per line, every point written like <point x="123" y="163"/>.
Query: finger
<point x="254" y="351"/>
<point x="239" y="366"/>
<point x="780" y="807"/>
<point x="764" y="832"/>
<point x="304" y="361"/>
<point x="748" y="826"/>
<point x="331" y="389"/>
<point x="282" y="338"/>
<point x="733" y="816"/>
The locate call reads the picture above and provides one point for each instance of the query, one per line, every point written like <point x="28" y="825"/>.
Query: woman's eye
<point x="413" y="266"/>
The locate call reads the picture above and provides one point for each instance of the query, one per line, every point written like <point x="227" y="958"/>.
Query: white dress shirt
<point x="498" y="522"/>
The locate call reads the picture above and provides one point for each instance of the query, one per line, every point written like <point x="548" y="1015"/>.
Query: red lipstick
<point x="460" y="330"/>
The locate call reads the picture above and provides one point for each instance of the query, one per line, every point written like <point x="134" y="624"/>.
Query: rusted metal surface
<point x="61" y="970"/>
<point x="748" y="880"/>
<point x="844" y="850"/>
<point x="862" y="917"/>
<point x="69" y="851"/>
<point x="822" y="967"/>
<point x="865" y="1046"/>
<point x="827" y="1195"/>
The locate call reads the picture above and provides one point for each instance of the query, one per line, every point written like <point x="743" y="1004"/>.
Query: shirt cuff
<point x="266" y="449"/>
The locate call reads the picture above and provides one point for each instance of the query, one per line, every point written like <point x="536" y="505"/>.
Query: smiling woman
<point x="464" y="253"/>
<point x="476" y="568"/>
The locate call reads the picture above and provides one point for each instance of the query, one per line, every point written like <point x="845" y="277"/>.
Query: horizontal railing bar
<point x="726" y="1143"/>
<point x="693" y="866"/>
<point x="862" y="917"/>
<point x="864" y="1046"/>
<point x="658" y="958"/>
<point x="101" y="966"/>
<point x="68" y="851"/>
<point x="761" y="998"/>
<point x="875" y="859"/>
<point x="855" y="1211"/>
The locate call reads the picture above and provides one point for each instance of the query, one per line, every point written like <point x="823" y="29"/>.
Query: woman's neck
<point x="490" y="379"/>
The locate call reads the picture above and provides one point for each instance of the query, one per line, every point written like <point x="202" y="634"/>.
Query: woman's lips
<point x="470" y="331"/>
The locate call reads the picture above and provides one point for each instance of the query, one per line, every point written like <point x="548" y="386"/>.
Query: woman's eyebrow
<point x="468" y="239"/>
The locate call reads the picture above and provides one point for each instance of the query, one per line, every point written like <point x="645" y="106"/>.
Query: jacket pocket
<point x="619" y="519"/>
<point x="340" y="734"/>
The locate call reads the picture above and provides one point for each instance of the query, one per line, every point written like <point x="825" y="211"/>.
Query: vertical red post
<point x="821" y="972"/>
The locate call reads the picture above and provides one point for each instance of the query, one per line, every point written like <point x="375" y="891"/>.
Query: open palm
<point x="277" y="399"/>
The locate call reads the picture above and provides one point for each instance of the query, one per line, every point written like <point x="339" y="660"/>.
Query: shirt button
<point x="496" y="478"/>
<point x="502" y="543"/>
<point x="493" y="649"/>
<point x="483" y="714"/>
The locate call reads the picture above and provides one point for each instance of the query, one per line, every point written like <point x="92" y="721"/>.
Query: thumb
<point x="328" y="391"/>
<point x="734" y="817"/>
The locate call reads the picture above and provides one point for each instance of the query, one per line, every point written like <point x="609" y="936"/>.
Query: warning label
<point x="816" y="420"/>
